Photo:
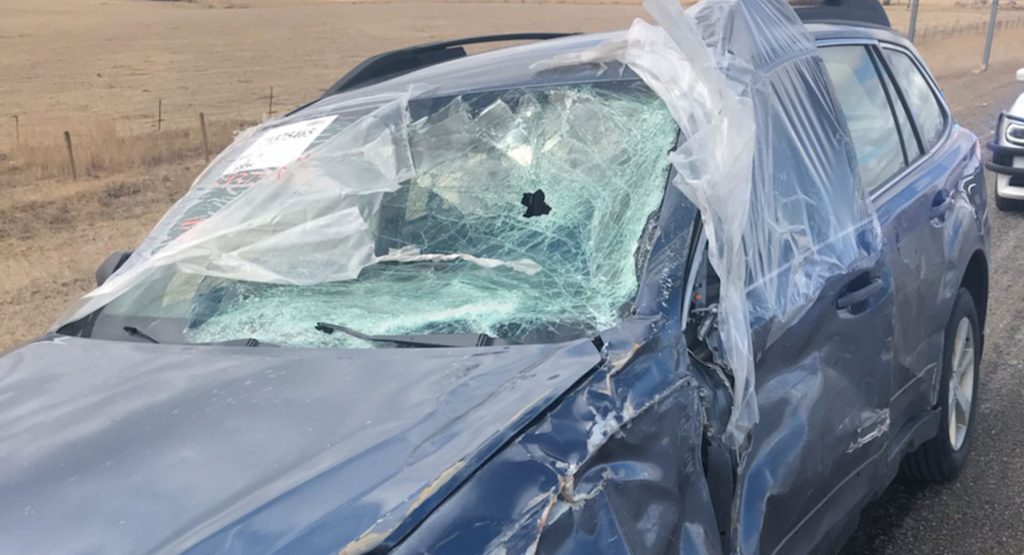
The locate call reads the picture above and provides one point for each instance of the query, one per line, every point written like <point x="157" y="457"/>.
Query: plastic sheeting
<point x="351" y="217"/>
<point x="777" y="191"/>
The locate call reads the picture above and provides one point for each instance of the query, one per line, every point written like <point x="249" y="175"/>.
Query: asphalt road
<point x="982" y="511"/>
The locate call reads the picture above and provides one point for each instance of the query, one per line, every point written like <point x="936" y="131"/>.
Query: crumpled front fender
<point x="615" y="467"/>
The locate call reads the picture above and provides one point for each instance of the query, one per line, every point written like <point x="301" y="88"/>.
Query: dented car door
<point x="823" y="395"/>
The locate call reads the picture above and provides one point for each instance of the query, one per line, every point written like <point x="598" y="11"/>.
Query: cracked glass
<point x="515" y="213"/>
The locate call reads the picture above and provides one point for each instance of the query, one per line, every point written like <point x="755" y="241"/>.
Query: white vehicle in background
<point x="1008" y="155"/>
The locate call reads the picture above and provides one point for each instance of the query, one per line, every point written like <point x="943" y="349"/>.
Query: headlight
<point x="1015" y="133"/>
<point x="1013" y="130"/>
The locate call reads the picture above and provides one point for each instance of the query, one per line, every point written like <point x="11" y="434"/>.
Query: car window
<point x="863" y="100"/>
<point x="911" y="144"/>
<point x="920" y="97"/>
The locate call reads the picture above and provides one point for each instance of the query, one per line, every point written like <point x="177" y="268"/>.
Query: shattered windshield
<point x="522" y="219"/>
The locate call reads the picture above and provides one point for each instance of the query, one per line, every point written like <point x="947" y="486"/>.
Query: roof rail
<point x="398" y="62"/>
<point x="868" y="12"/>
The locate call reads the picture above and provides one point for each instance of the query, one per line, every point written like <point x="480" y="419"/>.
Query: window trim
<point x="880" y="70"/>
<point x="890" y="79"/>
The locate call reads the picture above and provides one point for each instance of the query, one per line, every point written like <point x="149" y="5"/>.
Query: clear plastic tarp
<point x="511" y="213"/>
<point x="777" y="188"/>
<point x="529" y="205"/>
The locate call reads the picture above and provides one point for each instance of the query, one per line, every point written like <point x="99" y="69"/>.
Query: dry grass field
<point x="97" y="68"/>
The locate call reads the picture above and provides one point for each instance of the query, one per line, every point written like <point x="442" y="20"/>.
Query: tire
<point x="941" y="458"/>
<point x="1008" y="204"/>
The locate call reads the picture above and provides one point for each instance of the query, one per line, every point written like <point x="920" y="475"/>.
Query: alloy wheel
<point x="961" y="383"/>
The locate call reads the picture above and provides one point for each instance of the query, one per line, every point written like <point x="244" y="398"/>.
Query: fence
<point x="939" y="32"/>
<point x="106" y="146"/>
<point x="49" y="148"/>
<point x="990" y="28"/>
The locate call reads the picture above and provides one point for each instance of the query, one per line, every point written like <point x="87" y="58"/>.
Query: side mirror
<point x="110" y="265"/>
<point x="1020" y="74"/>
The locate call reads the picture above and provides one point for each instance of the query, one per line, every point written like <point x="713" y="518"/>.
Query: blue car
<point x="704" y="286"/>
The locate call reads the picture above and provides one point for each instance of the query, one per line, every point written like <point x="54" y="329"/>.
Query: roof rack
<point x="398" y="62"/>
<point x="868" y="12"/>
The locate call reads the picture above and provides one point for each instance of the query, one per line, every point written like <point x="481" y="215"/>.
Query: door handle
<point x="859" y="295"/>
<point x="940" y="205"/>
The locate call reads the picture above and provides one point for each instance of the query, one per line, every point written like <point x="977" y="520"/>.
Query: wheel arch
<point x="975" y="280"/>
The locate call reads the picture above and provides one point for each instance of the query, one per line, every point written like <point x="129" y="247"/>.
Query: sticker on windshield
<point x="280" y="145"/>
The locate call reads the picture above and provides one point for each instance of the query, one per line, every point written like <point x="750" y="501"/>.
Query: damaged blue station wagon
<point x="702" y="286"/>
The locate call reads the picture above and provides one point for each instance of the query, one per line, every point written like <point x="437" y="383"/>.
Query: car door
<point x="824" y="385"/>
<point x="914" y="211"/>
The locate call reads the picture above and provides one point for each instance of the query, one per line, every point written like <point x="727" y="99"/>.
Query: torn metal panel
<point x="617" y="471"/>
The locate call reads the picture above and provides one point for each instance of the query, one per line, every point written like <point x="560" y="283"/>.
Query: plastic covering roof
<point x="290" y="204"/>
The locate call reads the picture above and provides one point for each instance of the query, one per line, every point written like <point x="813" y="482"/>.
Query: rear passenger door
<point x="912" y="192"/>
<point x="916" y="214"/>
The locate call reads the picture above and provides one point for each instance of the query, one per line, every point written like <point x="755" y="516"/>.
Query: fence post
<point x="989" y="35"/>
<point x="270" y="108"/>
<point x="159" y="113"/>
<point x="206" y="142"/>
<point x="913" y="20"/>
<point x="71" y="155"/>
<point x="17" y="130"/>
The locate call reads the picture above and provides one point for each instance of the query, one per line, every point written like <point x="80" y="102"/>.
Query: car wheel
<point x="1009" y="204"/>
<point x="941" y="458"/>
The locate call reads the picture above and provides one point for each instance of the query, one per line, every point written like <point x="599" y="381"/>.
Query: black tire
<point x="937" y="460"/>
<point x="1008" y="204"/>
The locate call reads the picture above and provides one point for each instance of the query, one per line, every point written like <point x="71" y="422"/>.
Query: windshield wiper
<point x="136" y="332"/>
<point x="435" y="340"/>
<point x="244" y="342"/>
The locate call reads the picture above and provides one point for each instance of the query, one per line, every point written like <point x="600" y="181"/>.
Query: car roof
<point x="516" y="65"/>
<point x="829" y="31"/>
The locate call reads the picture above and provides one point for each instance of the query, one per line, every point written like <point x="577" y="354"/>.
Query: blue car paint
<point x="112" y="447"/>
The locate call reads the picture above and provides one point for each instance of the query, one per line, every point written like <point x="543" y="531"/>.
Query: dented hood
<point x="113" y="447"/>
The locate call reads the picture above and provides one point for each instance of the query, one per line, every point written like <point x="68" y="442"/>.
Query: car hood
<point x="115" y="447"/>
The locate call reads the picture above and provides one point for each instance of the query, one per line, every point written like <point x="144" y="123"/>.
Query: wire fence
<point x="926" y="33"/>
<point x="44" y="149"/>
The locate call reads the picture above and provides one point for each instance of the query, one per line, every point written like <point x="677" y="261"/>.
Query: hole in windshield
<point x="453" y="250"/>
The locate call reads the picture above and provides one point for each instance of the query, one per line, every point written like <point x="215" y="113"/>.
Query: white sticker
<point x="280" y="145"/>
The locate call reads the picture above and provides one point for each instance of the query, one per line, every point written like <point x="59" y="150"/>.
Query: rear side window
<point x="920" y="97"/>
<point x="876" y="140"/>
<point x="910" y="143"/>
